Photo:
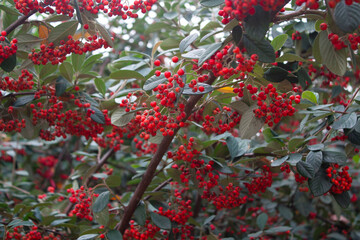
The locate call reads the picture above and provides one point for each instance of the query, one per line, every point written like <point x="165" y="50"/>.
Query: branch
<point x="19" y="21"/>
<point x="148" y="176"/>
<point x="303" y="11"/>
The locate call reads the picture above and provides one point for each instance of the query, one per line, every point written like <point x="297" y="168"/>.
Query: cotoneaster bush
<point x="158" y="119"/>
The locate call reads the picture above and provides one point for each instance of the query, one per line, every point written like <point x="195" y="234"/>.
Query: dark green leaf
<point x="315" y="147"/>
<point x="334" y="157"/>
<point x="304" y="78"/>
<point x="336" y="90"/>
<point x="294" y="158"/>
<point x="345" y="121"/>
<point x="237" y="34"/>
<point x="347" y="17"/>
<point x="21" y="101"/>
<point x="140" y="214"/>
<point x="105" y="34"/>
<point x="186" y="42"/>
<point x="276" y="74"/>
<point x="59" y="221"/>
<point x="126" y="74"/>
<point x="9" y="64"/>
<point x="315" y="159"/>
<point x="257" y="25"/>
<point x="189" y="91"/>
<point x="320" y="183"/>
<point x="343" y="199"/>
<point x="237" y="147"/>
<point x="286" y="212"/>
<point x="153" y="82"/>
<point x="60" y="86"/>
<point x="97" y="116"/>
<point x="278" y="229"/>
<point x="305" y="169"/>
<point x="262" y="48"/>
<point x="261" y="220"/>
<point x="161" y="221"/>
<point x="62" y="31"/>
<point x="209" y="51"/>
<point x="67" y="71"/>
<point x="114" y="235"/>
<point x="113" y="181"/>
<point x="211" y="3"/>
<point x="335" y="60"/>
<point x="101" y="202"/>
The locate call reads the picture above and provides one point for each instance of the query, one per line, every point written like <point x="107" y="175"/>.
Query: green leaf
<point x="126" y="74"/>
<point x="315" y="159"/>
<point x="294" y="158"/>
<point x="114" y="235"/>
<point x="189" y="91"/>
<point x="289" y="57"/>
<point x="105" y="34"/>
<point x="140" y="214"/>
<point x="113" y="181"/>
<point x="276" y="74"/>
<point x="279" y="41"/>
<point x="345" y="121"/>
<point x="101" y="202"/>
<point x="335" y="60"/>
<point x="237" y="147"/>
<point x="343" y="199"/>
<point x="9" y="64"/>
<point x="77" y="60"/>
<point x="279" y="161"/>
<point x="305" y="169"/>
<point x="320" y="183"/>
<point x="295" y="142"/>
<point x="21" y="101"/>
<point x="9" y="10"/>
<point x="308" y="95"/>
<point x="209" y="51"/>
<point x="67" y="71"/>
<point x="153" y="82"/>
<point x="257" y="25"/>
<point x="87" y="236"/>
<point x="47" y="70"/>
<point x="59" y="221"/>
<point x="261" y="220"/>
<point x="239" y="106"/>
<point x="211" y="3"/>
<point x="347" y="17"/>
<point x="186" y="42"/>
<point x="250" y="124"/>
<point x="60" y="86"/>
<point x="334" y="157"/>
<point x="160" y="221"/>
<point x="62" y="31"/>
<point x="315" y="147"/>
<point x="277" y="229"/>
<point x="97" y="116"/>
<point x="158" y="26"/>
<point x="120" y="118"/>
<point x="262" y="48"/>
<point x="100" y="85"/>
<point x="194" y="54"/>
<point x="211" y="26"/>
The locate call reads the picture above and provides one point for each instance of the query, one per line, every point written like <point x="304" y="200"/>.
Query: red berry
<point x="157" y="63"/>
<point x="77" y="88"/>
<point x="86" y="26"/>
<point x="323" y="26"/>
<point x="3" y="33"/>
<point x="175" y="59"/>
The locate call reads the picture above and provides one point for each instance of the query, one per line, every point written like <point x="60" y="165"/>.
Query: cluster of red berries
<point x="241" y="9"/>
<point x="12" y="125"/>
<point x="332" y="3"/>
<point x="6" y="50"/>
<point x="312" y="4"/>
<point x="24" y="82"/>
<point x="337" y="42"/>
<point x="64" y="7"/>
<point x="340" y="179"/>
<point x="46" y="166"/>
<point x="34" y="234"/>
<point x="148" y="231"/>
<point x="296" y="36"/>
<point x="272" y="105"/>
<point x="291" y="127"/>
<point x="57" y="54"/>
<point x="228" y="198"/>
<point x="260" y="184"/>
<point x="285" y="168"/>
<point x="82" y="202"/>
<point x="223" y="61"/>
<point x="5" y="157"/>
<point x="219" y="122"/>
<point x="300" y="179"/>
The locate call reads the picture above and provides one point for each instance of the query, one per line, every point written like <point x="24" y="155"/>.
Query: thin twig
<point x="19" y="21"/>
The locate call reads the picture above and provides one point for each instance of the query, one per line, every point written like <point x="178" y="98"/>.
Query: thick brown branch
<point x="19" y="21"/>
<point x="293" y="15"/>
<point x="148" y="176"/>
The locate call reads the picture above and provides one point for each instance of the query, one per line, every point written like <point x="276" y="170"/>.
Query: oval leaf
<point x="101" y="202"/>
